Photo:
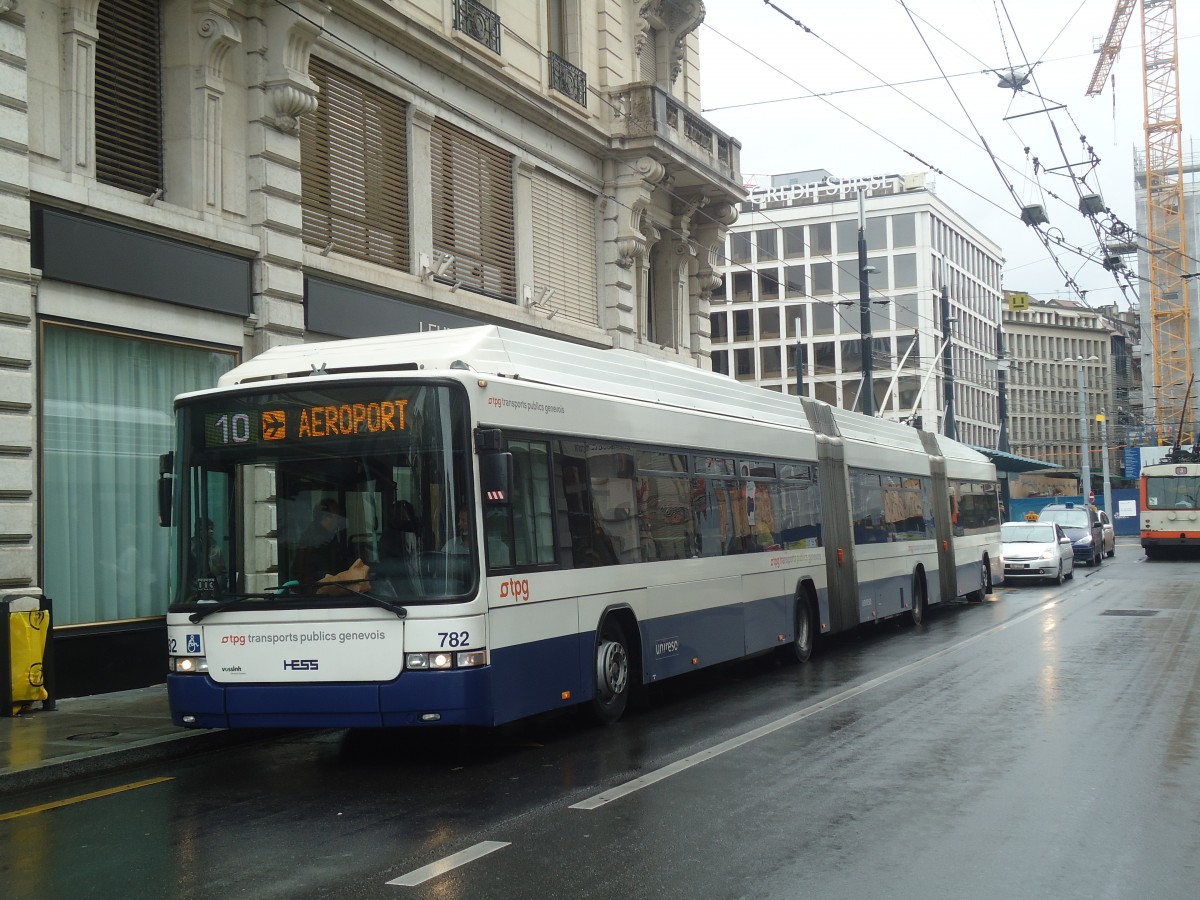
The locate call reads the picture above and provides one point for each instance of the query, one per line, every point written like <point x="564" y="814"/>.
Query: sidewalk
<point x="91" y="735"/>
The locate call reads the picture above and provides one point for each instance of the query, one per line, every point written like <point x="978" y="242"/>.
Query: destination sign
<point x="299" y="422"/>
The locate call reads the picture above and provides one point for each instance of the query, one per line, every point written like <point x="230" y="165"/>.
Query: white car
<point x="1037" y="550"/>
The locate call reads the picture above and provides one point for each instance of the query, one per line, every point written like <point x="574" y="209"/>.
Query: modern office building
<point x="187" y="184"/>
<point x="792" y="280"/>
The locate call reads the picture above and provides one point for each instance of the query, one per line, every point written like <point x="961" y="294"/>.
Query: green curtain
<point x="107" y="415"/>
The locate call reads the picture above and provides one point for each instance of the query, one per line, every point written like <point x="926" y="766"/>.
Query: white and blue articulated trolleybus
<point x="471" y="526"/>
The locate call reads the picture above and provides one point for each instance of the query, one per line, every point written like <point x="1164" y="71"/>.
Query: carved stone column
<point x="279" y="38"/>
<point x="708" y="227"/>
<point x="216" y="35"/>
<point x="79" y="36"/>
<point x="630" y="186"/>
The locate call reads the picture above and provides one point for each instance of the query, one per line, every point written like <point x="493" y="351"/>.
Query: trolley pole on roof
<point x="864" y="310"/>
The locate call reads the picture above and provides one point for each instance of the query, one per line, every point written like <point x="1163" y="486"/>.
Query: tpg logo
<point x="301" y="665"/>
<point x="517" y="588"/>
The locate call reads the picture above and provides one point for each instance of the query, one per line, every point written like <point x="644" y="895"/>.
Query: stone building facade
<point x="186" y="183"/>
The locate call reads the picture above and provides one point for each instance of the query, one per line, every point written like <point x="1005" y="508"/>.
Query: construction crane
<point x="1166" y="233"/>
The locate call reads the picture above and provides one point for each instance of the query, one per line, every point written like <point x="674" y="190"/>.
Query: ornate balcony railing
<point x="566" y="79"/>
<point x="474" y="19"/>
<point x="648" y="112"/>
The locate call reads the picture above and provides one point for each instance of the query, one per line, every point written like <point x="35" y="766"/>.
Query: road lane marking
<point x="95" y="795"/>
<point x="453" y="861"/>
<point x="629" y="787"/>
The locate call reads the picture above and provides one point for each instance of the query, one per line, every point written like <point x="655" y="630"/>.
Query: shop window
<point x="107" y="402"/>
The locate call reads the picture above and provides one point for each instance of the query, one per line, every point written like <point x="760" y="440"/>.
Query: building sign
<point x="1018" y="302"/>
<point x="831" y="188"/>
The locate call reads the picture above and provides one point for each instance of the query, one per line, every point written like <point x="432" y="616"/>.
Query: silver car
<point x="1109" y="541"/>
<point x="1037" y="550"/>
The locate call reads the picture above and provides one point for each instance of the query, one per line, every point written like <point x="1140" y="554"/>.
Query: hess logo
<point x="517" y="588"/>
<point x="301" y="665"/>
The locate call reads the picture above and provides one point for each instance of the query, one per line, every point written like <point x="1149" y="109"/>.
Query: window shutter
<point x="354" y="169"/>
<point x="564" y="247"/>
<point x="472" y="185"/>
<point x="648" y="57"/>
<point x="129" y="96"/>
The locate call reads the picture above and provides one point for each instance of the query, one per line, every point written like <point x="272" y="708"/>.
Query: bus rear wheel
<point x="985" y="583"/>
<point x="918" y="600"/>
<point x="612" y="673"/>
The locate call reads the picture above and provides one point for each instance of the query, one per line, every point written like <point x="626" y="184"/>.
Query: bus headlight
<point x="441" y="660"/>
<point x="187" y="665"/>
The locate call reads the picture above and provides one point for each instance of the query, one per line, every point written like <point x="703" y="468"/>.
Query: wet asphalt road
<point x="1042" y="744"/>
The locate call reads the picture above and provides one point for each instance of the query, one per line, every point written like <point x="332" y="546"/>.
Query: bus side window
<point x="522" y="534"/>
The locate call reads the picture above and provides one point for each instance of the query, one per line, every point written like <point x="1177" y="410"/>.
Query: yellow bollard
<point x="27" y="638"/>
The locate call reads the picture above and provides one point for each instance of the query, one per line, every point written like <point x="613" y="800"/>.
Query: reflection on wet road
<point x="1041" y="744"/>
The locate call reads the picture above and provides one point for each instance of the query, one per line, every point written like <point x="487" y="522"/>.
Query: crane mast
<point x="1166" y="232"/>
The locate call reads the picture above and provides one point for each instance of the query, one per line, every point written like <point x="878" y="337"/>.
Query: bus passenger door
<point x="943" y="523"/>
<point x="837" y="533"/>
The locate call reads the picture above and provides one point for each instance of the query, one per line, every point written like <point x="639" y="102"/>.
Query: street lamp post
<point x="799" y="357"/>
<point x="947" y="364"/>
<point x="1085" y="463"/>
<point x="1108" y="507"/>
<point x="864" y="311"/>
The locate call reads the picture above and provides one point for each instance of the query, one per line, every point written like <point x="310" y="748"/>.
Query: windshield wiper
<point x="400" y="611"/>
<point x="225" y="604"/>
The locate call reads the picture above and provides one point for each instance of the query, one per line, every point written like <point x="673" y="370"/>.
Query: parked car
<point x="1082" y="525"/>
<point x="1110" y="535"/>
<point x="1036" y="550"/>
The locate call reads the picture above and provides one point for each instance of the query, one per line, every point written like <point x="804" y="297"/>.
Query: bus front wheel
<point x="612" y="673"/>
<point x="806" y="629"/>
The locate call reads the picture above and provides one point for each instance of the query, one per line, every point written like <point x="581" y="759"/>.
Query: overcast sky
<point x="750" y="53"/>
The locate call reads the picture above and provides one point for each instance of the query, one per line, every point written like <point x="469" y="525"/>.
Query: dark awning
<point x="1010" y="462"/>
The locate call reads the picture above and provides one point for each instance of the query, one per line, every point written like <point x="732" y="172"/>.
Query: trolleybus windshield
<point x="1173" y="491"/>
<point x="343" y="494"/>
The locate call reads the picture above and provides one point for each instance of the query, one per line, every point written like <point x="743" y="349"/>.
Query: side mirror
<point x="166" y="492"/>
<point x="495" y="479"/>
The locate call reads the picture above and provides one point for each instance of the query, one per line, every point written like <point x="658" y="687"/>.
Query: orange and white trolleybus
<point x="1169" y="498"/>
